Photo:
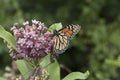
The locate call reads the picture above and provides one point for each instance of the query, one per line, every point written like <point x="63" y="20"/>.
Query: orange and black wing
<point x="63" y="36"/>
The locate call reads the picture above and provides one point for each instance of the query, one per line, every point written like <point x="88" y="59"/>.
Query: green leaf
<point x="54" y="71"/>
<point x="113" y="62"/>
<point x="56" y="26"/>
<point x="24" y="68"/>
<point x="8" y="37"/>
<point x="53" y="68"/>
<point x="77" y="75"/>
<point x="2" y="78"/>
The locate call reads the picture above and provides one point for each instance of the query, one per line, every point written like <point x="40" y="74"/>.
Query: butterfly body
<point x="63" y="37"/>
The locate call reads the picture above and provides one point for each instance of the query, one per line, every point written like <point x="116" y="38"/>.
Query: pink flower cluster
<point x="33" y="41"/>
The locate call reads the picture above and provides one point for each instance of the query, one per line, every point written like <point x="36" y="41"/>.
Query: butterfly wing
<point x="63" y="37"/>
<point x="61" y="43"/>
<point x="70" y="30"/>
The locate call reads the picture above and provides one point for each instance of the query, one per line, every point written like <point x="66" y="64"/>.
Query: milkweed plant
<point x="30" y="48"/>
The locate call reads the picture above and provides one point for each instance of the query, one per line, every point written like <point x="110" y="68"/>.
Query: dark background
<point x="98" y="39"/>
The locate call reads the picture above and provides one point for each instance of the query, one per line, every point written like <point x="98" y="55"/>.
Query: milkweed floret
<point x="33" y="41"/>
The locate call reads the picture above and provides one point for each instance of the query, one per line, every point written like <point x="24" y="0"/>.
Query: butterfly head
<point x="55" y="32"/>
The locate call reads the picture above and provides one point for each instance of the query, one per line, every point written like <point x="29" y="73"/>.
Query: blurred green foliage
<point x="98" y="40"/>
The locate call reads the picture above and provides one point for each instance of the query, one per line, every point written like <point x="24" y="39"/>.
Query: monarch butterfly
<point x="63" y="37"/>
